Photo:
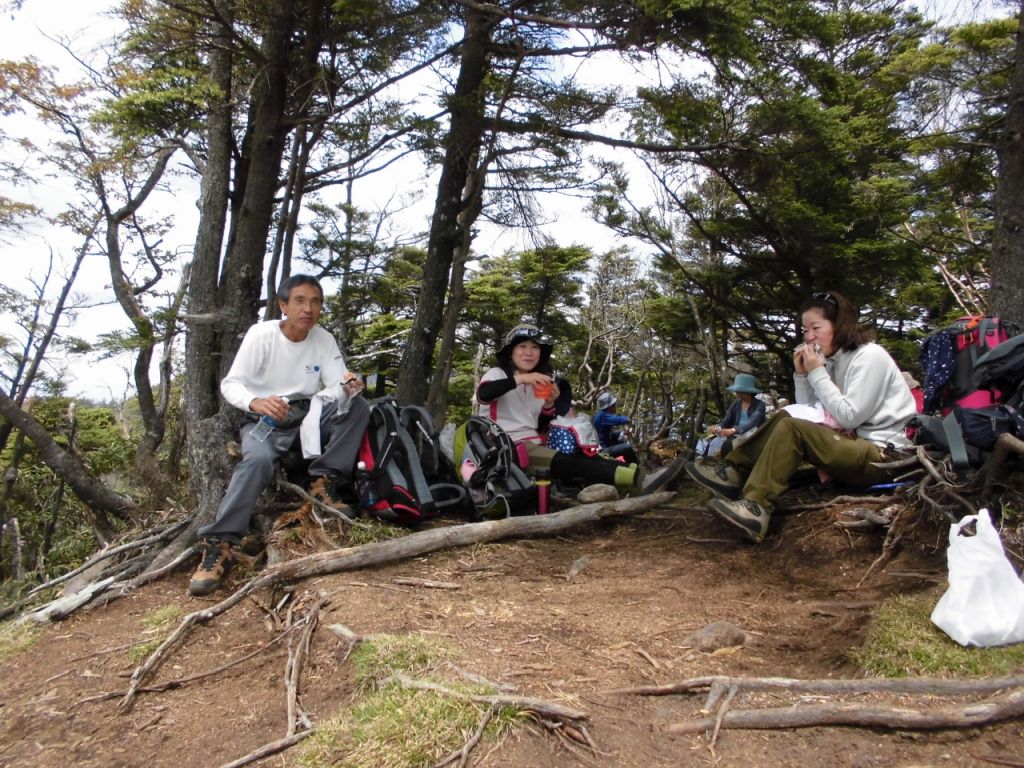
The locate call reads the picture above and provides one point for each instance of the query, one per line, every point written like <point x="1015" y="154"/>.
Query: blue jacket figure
<point x="609" y="428"/>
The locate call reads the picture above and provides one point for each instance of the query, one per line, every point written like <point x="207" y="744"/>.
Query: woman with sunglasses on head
<point x="865" y="403"/>
<point x="519" y="395"/>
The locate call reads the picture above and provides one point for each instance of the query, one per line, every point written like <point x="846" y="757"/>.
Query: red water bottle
<point x="542" y="479"/>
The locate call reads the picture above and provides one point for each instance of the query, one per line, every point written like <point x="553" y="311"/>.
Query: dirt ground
<point x="517" y="618"/>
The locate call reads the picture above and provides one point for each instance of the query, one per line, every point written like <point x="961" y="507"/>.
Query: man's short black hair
<point x="284" y="291"/>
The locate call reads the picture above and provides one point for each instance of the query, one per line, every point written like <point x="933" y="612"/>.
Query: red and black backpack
<point x="400" y="468"/>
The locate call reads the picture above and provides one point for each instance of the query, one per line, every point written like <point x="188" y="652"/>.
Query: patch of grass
<point x="155" y="620"/>
<point x="161" y="617"/>
<point x="375" y="530"/>
<point x="16" y="637"/>
<point x="903" y="642"/>
<point x="396" y="727"/>
<point x="379" y="656"/>
<point x="141" y="651"/>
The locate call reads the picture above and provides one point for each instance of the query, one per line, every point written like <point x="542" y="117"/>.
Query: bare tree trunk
<point x="437" y="401"/>
<point x="233" y="306"/>
<point x="20" y="386"/>
<point x="205" y="431"/>
<point x="463" y="143"/>
<point x="125" y="293"/>
<point x="8" y="525"/>
<point x="1007" y="260"/>
<point x="17" y="569"/>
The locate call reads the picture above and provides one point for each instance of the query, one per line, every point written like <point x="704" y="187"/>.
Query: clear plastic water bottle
<point x="265" y="426"/>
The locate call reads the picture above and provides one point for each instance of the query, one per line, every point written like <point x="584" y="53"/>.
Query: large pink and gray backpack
<point x="949" y="358"/>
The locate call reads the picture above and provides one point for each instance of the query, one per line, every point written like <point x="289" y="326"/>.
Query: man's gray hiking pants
<point x="340" y="439"/>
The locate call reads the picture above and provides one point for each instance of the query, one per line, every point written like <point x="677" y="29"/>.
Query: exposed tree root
<point x="1006" y="445"/>
<point x="181" y="682"/>
<point x="462" y="753"/>
<point x="337" y="512"/>
<point x="269" y="749"/>
<point x="550" y="710"/>
<point x="297" y="653"/>
<point x="1002" y="706"/>
<point x="892" y="538"/>
<point x="909" y="685"/>
<point x="378" y="553"/>
<point x="991" y="710"/>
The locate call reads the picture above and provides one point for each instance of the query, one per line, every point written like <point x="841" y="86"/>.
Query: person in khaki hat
<point x="746" y="413"/>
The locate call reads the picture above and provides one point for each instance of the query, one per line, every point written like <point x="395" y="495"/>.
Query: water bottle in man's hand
<point x="265" y="426"/>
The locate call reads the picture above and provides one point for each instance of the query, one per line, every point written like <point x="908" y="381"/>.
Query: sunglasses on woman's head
<point x="825" y="296"/>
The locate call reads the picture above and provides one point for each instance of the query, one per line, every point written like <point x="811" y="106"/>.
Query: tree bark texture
<point x="464" y="137"/>
<point x="206" y="432"/>
<point x="1007" y="260"/>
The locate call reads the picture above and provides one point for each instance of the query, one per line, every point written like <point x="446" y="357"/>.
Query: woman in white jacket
<point x="866" y="405"/>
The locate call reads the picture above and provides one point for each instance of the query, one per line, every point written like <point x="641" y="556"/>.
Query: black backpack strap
<point x="413" y="473"/>
<point x="384" y="420"/>
<point x="955" y="439"/>
<point x="456" y="495"/>
<point x="420" y="425"/>
<point x="396" y="456"/>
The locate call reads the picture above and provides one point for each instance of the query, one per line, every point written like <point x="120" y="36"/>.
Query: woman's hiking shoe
<point x="724" y="480"/>
<point x="662" y="478"/>
<point x="213" y="567"/>
<point x="748" y="515"/>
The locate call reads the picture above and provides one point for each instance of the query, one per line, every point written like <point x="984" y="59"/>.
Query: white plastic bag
<point x="984" y="605"/>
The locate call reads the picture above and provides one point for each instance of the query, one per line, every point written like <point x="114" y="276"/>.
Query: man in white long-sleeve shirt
<point x="281" y="362"/>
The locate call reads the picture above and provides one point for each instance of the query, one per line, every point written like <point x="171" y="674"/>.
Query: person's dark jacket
<point x="756" y="412"/>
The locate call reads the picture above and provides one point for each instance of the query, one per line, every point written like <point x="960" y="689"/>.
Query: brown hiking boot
<point x="723" y="481"/>
<point x="749" y="516"/>
<point x="213" y="567"/>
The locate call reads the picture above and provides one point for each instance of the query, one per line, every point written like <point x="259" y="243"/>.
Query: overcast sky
<point x="31" y="32"/>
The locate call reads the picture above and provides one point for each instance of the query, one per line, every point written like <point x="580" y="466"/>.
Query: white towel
<point x="309" y="432"/>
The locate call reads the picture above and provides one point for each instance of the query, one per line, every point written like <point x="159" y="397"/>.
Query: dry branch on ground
<point x="1006" y="703"/>
<point x="393" y="550"/>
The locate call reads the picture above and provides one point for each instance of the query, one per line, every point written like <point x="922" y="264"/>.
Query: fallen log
<point x="424" y="542"/>
<point x="918" y="685"/>
<point x="1003" y="706"/>
<point x="971" y="715"/>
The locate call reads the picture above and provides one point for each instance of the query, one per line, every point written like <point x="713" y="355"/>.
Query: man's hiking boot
<point x="745" y="514"/>
<point x="335" y="491"/>
<point x="661" y="479"/>
<point x="216" y="561"/>
<point x="724" y="480"/>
